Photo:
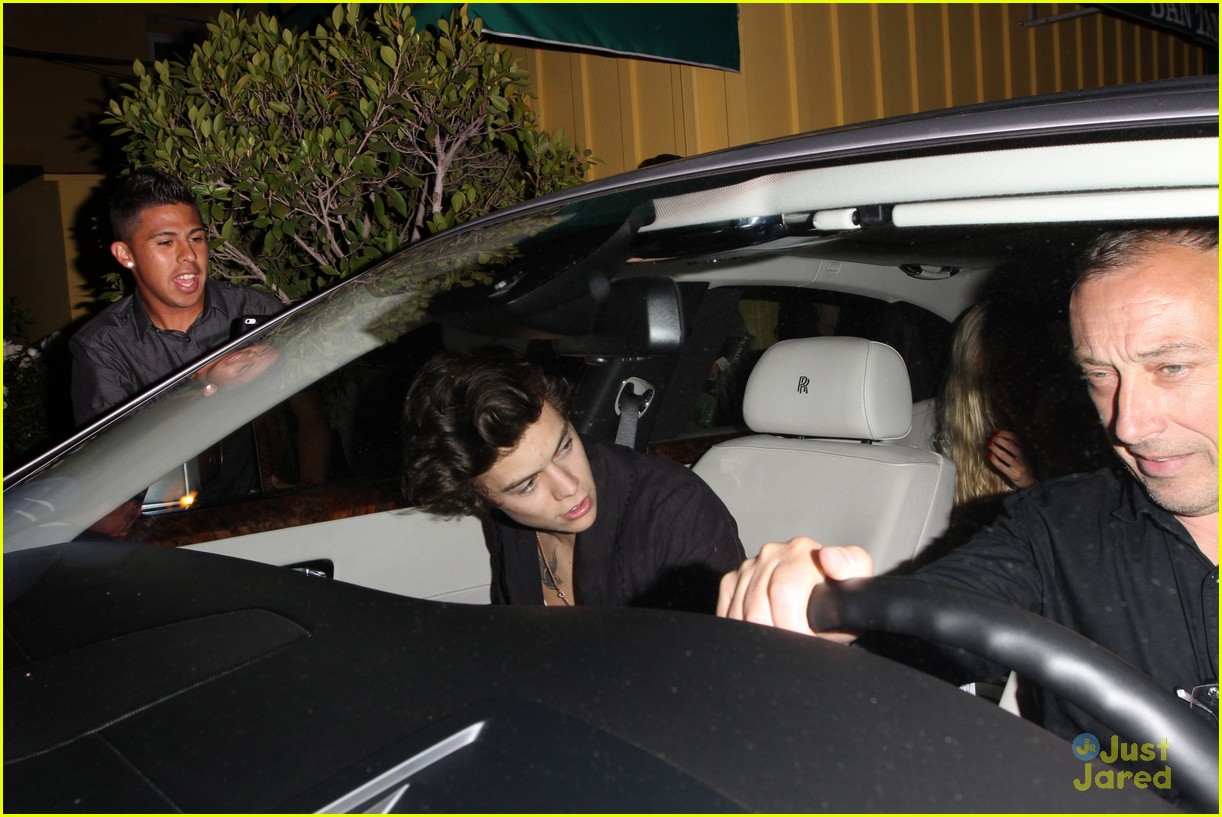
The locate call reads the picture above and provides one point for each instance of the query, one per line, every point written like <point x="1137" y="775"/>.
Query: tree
<point x="312" y="155"/>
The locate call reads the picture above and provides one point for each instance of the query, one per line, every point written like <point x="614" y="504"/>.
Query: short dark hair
<point x="1116" y="249"/>
<point x="462" y="412"/>
<point x="661" y="158"/>
<point x="142" y="189"/>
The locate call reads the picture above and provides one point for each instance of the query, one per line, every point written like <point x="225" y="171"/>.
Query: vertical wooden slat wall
<point x="819" y="65"/>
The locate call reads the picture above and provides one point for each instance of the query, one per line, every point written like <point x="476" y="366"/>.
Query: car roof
<point x="883" y="208"/>
<point x="1120" y="108"/>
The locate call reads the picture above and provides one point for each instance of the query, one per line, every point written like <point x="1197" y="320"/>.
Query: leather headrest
<point x="837" y="387"/>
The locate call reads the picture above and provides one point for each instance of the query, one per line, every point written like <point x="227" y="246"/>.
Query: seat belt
<point x="630" y="404"/>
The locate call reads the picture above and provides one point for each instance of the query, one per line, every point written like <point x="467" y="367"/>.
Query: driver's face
<point x="1146" y="339"/>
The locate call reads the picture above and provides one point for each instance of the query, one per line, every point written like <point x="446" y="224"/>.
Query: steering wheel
<point x="1074" y="668"/>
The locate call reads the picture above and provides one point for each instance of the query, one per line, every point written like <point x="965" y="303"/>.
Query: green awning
<point x="704" y="34"/>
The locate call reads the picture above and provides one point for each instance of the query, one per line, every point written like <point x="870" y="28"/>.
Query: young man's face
<point x="545" y="482"/>
<point x="167" y="253"/>
<point x="1146" y="339"/>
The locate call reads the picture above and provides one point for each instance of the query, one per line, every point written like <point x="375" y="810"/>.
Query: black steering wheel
<point x="1074" y="668"/>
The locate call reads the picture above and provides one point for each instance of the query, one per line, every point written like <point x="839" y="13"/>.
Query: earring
<point x="131" y="264"/>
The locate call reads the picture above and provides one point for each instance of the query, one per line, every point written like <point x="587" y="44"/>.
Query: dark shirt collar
<point x="1135" y="503"/>
<point x="144" y="324"/>
<point x="595" y="575"/>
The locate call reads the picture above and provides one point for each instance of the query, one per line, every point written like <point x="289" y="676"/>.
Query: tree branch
<point x="232" y="253"/>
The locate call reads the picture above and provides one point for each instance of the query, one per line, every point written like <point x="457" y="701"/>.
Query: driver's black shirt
<point x="1094" y="553"/>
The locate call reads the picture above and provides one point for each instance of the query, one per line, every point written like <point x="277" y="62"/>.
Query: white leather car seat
<point x="924" y="425"/>
<point x="819" y="406"/>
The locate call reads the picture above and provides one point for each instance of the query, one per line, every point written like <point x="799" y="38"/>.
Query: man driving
<point x="1127" y="560"/>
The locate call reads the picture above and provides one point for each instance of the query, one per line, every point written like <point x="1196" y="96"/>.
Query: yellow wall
<point x="804" y="67"/>
<point x="40" y="265"/>
<point x="811" y="66"/>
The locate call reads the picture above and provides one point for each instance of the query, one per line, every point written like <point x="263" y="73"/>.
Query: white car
<point x="144" y="674"/>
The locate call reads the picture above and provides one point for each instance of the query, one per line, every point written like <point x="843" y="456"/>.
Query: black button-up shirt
<point x="1094" y="553"/>
<point x="119" y="354"/>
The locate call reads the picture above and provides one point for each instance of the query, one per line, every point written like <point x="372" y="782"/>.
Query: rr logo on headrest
<point x="803" y="382"/>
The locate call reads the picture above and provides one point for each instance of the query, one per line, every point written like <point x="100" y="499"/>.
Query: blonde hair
<point x="967" y="412"/>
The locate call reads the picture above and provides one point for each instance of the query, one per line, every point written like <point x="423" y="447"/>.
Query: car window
<point x="253" y="480"/>
<point x="267" y="474"/>
<point x="196" y="437"/>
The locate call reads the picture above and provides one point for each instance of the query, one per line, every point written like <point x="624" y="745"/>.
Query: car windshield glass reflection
<point x="237" y="367"/>
<point x="167" y="439"/>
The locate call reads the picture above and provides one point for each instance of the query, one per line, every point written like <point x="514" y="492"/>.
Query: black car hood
<point x="148" y="679"/>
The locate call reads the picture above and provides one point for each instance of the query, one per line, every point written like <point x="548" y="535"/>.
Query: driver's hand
<point x="774" y="588"/>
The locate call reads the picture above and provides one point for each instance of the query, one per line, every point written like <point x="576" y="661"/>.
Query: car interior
<point x="821" y="410"/>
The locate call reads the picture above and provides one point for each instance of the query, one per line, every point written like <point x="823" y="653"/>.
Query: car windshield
<point x="57" y="500"/>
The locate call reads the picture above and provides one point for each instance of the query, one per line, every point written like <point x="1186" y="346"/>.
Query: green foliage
<point x="313" y="155"/>
<point x="17" y="317"/>
<point x="26" y="386"/>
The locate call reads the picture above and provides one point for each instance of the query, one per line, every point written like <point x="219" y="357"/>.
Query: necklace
<point x="551" y="577"/>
